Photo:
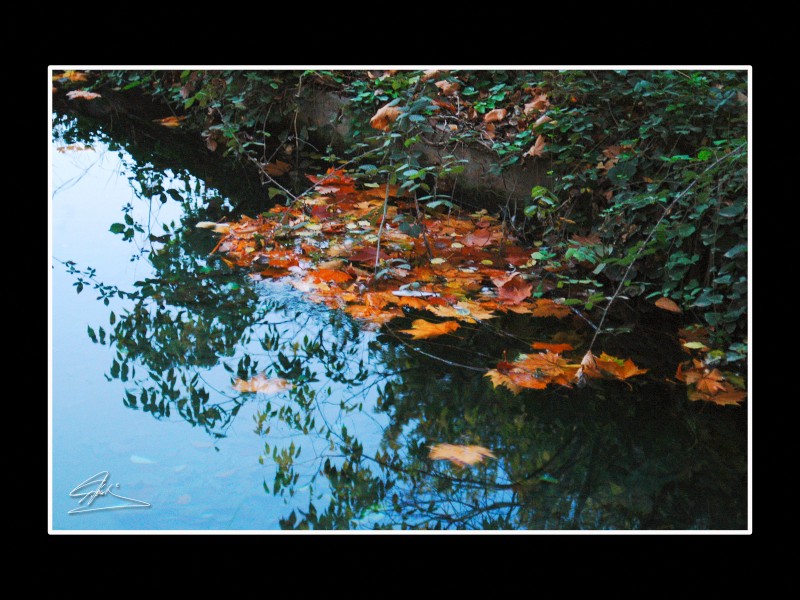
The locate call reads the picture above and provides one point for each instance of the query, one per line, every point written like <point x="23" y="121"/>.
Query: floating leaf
<point x="499" y="378"/>
<point x="169" y="121"/>
<point x="557" y="348"/>
<point x="515" y="291"/>
<point x="261" y="384"/>
<point x="422" y="329"/>
<point x="667" y="304"/>
<point x="82" y="95"/>
<point x="460" y="455"/>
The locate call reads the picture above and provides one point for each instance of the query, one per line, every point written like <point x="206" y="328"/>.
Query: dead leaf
<point x="667" y="304"/>
<point x="515" y="291"/>
<point x="82" y="95"/>
<point x="499" y="378"/>
<point x="557" y="348"/>
<point x="541" y="121"/>
<point x="384" y="118"/>
<point x="422" y="329"/>
<point x="493" y="116"/>
<point x="277" y="168"/>
<point x="430" y="74"/>
<point x="261" y="384"/>
<point x="448" y="88"/>
<point x="460" y="455"/>
<point x="545" y="307"/>
<point x="169" y="121"/>
<point x="218" y="227"/>
<point x="538" y="147"/>
<point x="72" y="76"/>
<point x="539" y="103"/>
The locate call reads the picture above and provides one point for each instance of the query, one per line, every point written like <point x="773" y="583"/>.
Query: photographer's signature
<point x="95" y="486"/>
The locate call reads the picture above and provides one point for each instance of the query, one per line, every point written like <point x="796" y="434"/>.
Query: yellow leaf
<point x="422" y="329"/>
<point x="460" y="455"/>
<point x="262" y="385"/>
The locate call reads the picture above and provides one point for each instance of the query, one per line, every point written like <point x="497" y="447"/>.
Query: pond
<point x="150" y="331"/>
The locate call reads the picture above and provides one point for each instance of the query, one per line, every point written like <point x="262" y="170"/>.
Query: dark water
<point x="144" y="357"/>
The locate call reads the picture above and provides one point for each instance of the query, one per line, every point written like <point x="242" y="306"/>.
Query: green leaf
<point x="734" y="210"/>
<point x="686" y="229"/>
<point x="736" y="251"/>
<point x="117" y="228"/>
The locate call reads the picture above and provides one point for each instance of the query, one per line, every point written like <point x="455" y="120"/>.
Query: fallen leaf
<point x="541" y="121"/>
<point x="422" y="329"/>
<point x="384" y="118"/>
<point x="169" y="121"/>
<point x="277" y="168"/>
<point x="261" y="384"/>
<point x="616" y="367"/>
<point x="539" y="102"/>
<point x="448" y="88"/>
<point x="82" y="95"/>
<point x="218" y="227"/>
<point x="460" y="455"/>
<point x="330" y="275"/>
<point x="538" y="147"/>
<point x="72" y="76"/>
<point x="430" y="74"/>
<point x="493" y="116"/>
<point x="499" y="378"/>
<point x="515" y="291"/>
<point x="557" y="348"/>
<point x="544" y="307"/>
<point x="667" y="304"/>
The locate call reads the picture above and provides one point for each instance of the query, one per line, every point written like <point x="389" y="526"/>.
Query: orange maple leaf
<point x="169" y="121"/>
<point x="545" y="307"/>
<point x="499" y="378"/>
<point x="422" y="329"/>
<point x="460" y="455"/>
<point x="515" y="291"/>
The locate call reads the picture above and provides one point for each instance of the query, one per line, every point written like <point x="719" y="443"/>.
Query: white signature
<point x="97" y="485"/>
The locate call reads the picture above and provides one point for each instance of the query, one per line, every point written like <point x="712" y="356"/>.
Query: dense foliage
<point x="647" y="170"/>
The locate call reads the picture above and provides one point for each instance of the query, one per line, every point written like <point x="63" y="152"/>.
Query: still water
<point x="144" y="357"/>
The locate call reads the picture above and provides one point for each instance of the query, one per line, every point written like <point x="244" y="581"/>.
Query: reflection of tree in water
<point x="606" y="456"/>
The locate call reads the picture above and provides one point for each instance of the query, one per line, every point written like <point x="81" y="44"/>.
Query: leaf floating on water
<point x="422" y="329"/>
<point x="460" y="455"/>
<point x="218" y="227"/>
<point x="667" y="304"/>
<point x="169" y="121"/>
<point x="557" y="348"/>
<point x="261" y="384"/>
<point x="497" y="378"/>
<point x="82" y="95"/>
<point x="515" y="291"/>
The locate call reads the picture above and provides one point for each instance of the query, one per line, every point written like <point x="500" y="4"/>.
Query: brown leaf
<point x="545" y="307"/>
<point x="539" y="103"/>
<point x="262" y="385"/>
<point x="277" y="168"/>
<point x="422" y="329"/>
<point x="498" y="114"/>
<point x="538" y="147"/>
<point x="72" y="76"/>
<point x="82" y="95"/>
<point x="448" y="88"/>
<point x="460" y="455"/>
<point x="431" y="74"/>
<point x="384" y="118"/>
<point x="541" y="121"/>
<point x="515" y="291"/>
<point x="667" y="304"/>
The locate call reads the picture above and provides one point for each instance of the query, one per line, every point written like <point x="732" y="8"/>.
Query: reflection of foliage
<point x="605" y="456"/>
